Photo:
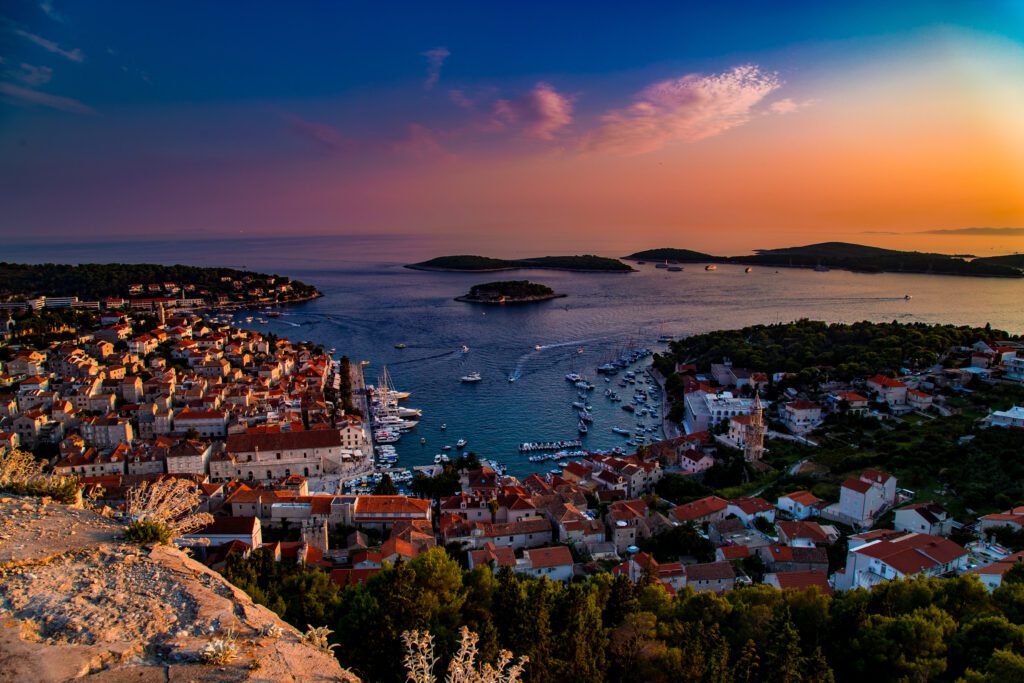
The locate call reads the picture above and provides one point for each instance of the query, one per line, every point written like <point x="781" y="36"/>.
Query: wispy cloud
<point x="323" y="135"/>
<point x="31" y="75"/>
<point x="686" y="109"/>
<point x="789" y="106"/>
<point x="50" y="11"/>
<point x="435" y="60"/>
<point x="983" y="232"/>
<point x="421" y="143"/>
<point x="539" y="113"/>
<point x="34" y="97"/>
<point x="74" y="55"/>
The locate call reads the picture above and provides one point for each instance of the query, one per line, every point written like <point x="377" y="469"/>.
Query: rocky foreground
<point x="76" y="602"/>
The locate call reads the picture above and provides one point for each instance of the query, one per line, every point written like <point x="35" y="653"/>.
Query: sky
<point x="509" y="128"/>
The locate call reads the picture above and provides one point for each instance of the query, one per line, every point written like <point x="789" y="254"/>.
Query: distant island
<point x="677" y="255"/>
<point x="854" y="257"/>
<point x="482" y="264"/>
<point x="509" y="292"/>
<point x="185" y="286"/>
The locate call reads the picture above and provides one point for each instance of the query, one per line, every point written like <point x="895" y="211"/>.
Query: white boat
<point x="471" y="378"/>
<point x="444" y="426"/>
<point x="620" y="430"/>
<point x="461" y="443"/>
<point x="573" y="377"/>
<point x="465" y="349"/>
<point x="711" y="267"/>
<point x="582" y="427"/>
<point x="441" y="458"/>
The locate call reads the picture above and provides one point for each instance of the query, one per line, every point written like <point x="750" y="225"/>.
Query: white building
<point x="863" y="498"/>
<point x="1014" y="417"/>
<point x="878" y="557"/>
<point x="924" y="518"/>
<point x="263" y="457"/>
<point x="554" y="563"/>
<point x="801" y="416"/>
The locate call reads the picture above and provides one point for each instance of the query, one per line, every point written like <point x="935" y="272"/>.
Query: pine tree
<point x="782" y="660"/>
<point x="748" y="664"/>
<point x="816" y="668"/>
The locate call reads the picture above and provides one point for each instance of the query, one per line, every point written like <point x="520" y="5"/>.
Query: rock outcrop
<point x="76" y="602"/>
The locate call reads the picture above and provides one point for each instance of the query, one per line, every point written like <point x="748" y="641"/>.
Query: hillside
<point x="864" y="258"/>
<point x="670" y="254"/>
<point x="470" y="263"/>
<point x="1011" y="260"/>
<point x="76" y="601"/>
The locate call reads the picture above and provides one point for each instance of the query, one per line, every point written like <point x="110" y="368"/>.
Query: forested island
<point x="94" y="281"/>
<point x="509" y="292"/>
<point x="468" y="263"/>
<point x="854" y="257"/>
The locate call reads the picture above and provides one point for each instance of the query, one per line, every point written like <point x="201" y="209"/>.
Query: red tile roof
<point x="699" y="509"/>
<point x="556" y="556"/>
<point x="803" y="580"/>
<point x="913" y="553"/>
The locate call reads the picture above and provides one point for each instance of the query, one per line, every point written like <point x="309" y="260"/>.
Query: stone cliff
<point x="77" y="602"/>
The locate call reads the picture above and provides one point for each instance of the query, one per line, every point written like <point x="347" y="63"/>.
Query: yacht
<point x="582" y="427"/>
<point x="620" y="430"/>
<point x="711" y="267"/>
<point x="537" y="347"/>
<point x="461" y="443"/>
<point x="471" y="378"/>
<point x="444" y="426"/>
<point x="400" y="346"/>
<point x="748" y="269"/>
<point x="675" y="269"/>
<point x="441" y="458"/>
<point x="446" y="448"/>
<point x="573" y="377"/>
<point x="465" y="349"/>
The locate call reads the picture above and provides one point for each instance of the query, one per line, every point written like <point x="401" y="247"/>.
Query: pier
<point x="530" y="447"/>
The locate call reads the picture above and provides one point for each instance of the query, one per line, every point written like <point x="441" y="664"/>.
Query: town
<point x="259" y="425"/>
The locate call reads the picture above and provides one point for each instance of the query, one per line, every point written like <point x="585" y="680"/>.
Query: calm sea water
<point x="371" y="303"/>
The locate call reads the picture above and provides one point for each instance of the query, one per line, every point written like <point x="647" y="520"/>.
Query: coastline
<point x="749" y="261"/>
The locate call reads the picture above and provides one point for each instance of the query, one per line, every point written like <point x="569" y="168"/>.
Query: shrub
<point x="220" y="650"/>
<point x="145" y="532"/>
<point x="167" y="503"/>
<point x="317" y="637"/>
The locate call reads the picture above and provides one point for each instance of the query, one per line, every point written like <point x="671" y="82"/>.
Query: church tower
<point x="754" y="447"/>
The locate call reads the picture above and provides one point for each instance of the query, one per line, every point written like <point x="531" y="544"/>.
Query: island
<point x="854" y="257"/>
<point x="509" y="292"/>
<point x="677" y="255"/>
<point x="89" y="285"/>
<point x="587" y="263"/>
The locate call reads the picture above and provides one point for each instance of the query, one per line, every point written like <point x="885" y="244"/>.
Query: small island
<point x="465" y="263"/>
<point x="509" y="292"/>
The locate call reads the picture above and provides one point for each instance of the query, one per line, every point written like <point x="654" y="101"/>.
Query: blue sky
<point x="117" y="101"/>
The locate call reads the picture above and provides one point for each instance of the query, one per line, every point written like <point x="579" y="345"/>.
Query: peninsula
<point x="509" y="292"/>
<point x="86" y="285"/>
<point x="480" y="264"/>
<point x="854" y="257"/>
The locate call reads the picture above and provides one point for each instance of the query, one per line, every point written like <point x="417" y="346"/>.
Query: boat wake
<point x="446" y="354"/>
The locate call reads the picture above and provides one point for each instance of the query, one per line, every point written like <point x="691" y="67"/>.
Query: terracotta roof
<point x="699" y="509"/>
<point x="805" y="498"/>
<point x="530" y="525"/>
<point x="801" y="404"/>
<point x="803" y="580"/>
<point x="710" y="571"/>
<point x="734" y="552"/>
<point x="227" y="525"/>
<point x="501" y="557"/>
<point x="857" y="485"/>
<point x="752" y="506"/>
<point x="555" y="556"/>
<point x="912" y="553"/>
<point x="875" y="476"/>
<point x="376" y="505"/>
<point x="353" y="577"/>
<point x="283" y="441"/>
<point x="809" y="530"/>
<point x="883" y="381"/>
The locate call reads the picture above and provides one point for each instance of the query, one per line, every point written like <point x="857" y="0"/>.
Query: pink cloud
<point x="326" y="136"/>
<point x="686" y="109"/>
<point x="539" y="113"/>
<point x="420" y="142"/>
<point x="26" y="96"/>
<point x="789" y="106"/>
<point x="74" y="55"/>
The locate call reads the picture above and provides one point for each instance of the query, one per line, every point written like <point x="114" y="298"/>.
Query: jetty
<point x="532" y="446"/>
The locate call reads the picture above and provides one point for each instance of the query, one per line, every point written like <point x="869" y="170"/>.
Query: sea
<point x="372" y="303"/>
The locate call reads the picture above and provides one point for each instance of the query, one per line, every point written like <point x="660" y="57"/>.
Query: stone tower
<point x="754" y="447"/>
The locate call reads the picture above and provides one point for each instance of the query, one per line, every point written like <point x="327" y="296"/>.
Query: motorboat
<point x="444" y="426"/>
<point x="471" y="378"/>
<point x="461" y="443"/>
<point x="711" y="267"/>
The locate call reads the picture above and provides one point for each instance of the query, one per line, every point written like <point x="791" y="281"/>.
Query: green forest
<point x="97" y="280"/>
<point x="846" y="350"/>
<point x="604" y="628"/>
<point x="509" y="289"/>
